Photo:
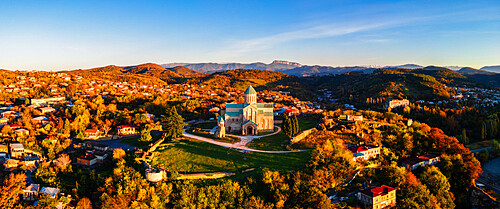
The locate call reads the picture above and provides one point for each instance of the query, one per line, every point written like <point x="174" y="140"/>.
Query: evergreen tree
<point x="295" y="124"/>
<point x="146" y="133"/>
<point x="173" y="123"/>
<point x="287" y="126"/>
<point x="483" y="130"/>
<point x="464" y="137"/>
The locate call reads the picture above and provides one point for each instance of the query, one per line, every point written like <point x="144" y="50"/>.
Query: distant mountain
<point x="469" y="70"/>
<point x="495" y="68"/>
<point x="317" y="70"/>
<point x="406" y="66"/>
<point x="454" y="67"/>
<point x="175" y="64"/>
<point x="481" y="76"/>
<point x="432" y="67"/>
<point x="215" y="67"/>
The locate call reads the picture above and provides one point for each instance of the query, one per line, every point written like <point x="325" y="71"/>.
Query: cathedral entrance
<point x="250" y="130"/>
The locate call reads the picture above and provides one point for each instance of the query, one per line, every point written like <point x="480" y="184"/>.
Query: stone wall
<point x="154" y="175"/>
<point x="302" y="135"/>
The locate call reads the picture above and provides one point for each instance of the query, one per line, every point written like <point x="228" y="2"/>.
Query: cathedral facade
<point x="249" y="117"/>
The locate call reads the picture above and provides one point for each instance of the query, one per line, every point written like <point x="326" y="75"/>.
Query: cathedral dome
<point x="250" y="90"/>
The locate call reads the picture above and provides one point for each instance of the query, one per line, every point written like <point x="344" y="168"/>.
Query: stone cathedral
<point x="249" y="117"/>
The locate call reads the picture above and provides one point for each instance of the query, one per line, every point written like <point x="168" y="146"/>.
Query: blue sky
<point x="56" y="35"/>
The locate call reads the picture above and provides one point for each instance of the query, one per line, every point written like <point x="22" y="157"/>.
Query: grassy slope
<point x="192" y="156"/>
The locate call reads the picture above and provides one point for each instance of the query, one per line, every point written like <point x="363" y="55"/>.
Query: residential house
<point x="30" y="193"/>
<point x="11" y="164"/>
<point x="93" y="133"/>
<point x="50" y="100"/>
<point x="87" y="160"/>
<point x="3" y="121"/>
<point x="22" y="132"/>
<point x="378" y="197"/>
<point x="13" y="126"/>
<point x="127" y="129"/>
<point x="354" y="118"/>
<point x="9" y="113"/>
<point x="397" y="103"/>
<point x="40" y="119"/>
<point x="95" y="146"/>
<point x="427" y="159"/>
<point x="51" y="191"/>
<point x="16" y="150"/>
<point x="101" y="156"/>
<point x="364" y="152"/>
<point x="44" y="110"/>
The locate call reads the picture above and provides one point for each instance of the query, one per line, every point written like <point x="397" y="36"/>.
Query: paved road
<point x="235" y="146"/>
<point x="248" y="138"/>
<point x="479" y="150"/>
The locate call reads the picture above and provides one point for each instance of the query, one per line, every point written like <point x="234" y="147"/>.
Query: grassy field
<point x="278" y="141"/>
<point x="227" y="139"/>
<point x="193" y="156"/>
<point x="134" y="141"/>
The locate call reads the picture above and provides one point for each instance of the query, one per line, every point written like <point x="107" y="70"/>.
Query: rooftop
<point x="378" y="191"/>
<point x="250" y="90"/>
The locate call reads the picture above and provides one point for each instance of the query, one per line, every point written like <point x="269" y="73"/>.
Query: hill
<point x="469" y="70"/>
<point x="414" y="84"/>
<point x="116" y="74"/>
<point x="495" y="68"/>
<point x="186" y="72"/>
<point x="153" y="70"/>
<point x="241" y="78"/>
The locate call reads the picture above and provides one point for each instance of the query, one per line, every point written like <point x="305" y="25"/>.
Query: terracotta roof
<point x="127" y="126"/>
<point x="358" y="149"/>
<point x="377" y="191"/>
<point x="91" y="131"/>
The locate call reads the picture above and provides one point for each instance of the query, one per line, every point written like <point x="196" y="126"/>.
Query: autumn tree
<point x="118" y="153"/>
<point x="12" y="189"/>
<point x="438" y="185"/>
<point x="146" y="133"/>
<point x="84" y="203"/>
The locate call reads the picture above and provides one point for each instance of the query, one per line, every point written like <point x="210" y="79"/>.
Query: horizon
<point x="55" y="36"/>
<point x="221" y="63"/>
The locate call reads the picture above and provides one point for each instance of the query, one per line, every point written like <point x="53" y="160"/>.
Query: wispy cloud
<point x="323" y="31"/>
<point x="241" y="47"/>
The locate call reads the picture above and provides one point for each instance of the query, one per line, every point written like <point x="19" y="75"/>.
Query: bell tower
<point x="250" y="95"/>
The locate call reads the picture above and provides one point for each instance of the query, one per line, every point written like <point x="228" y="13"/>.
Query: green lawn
<point x="307" y="123"/>
<point x="193" y="156"/>
<point x="227" y="139"/>
<point x="274" y="142"/>
<point x="266" y="133"/>
<point x="280" y="140"/>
